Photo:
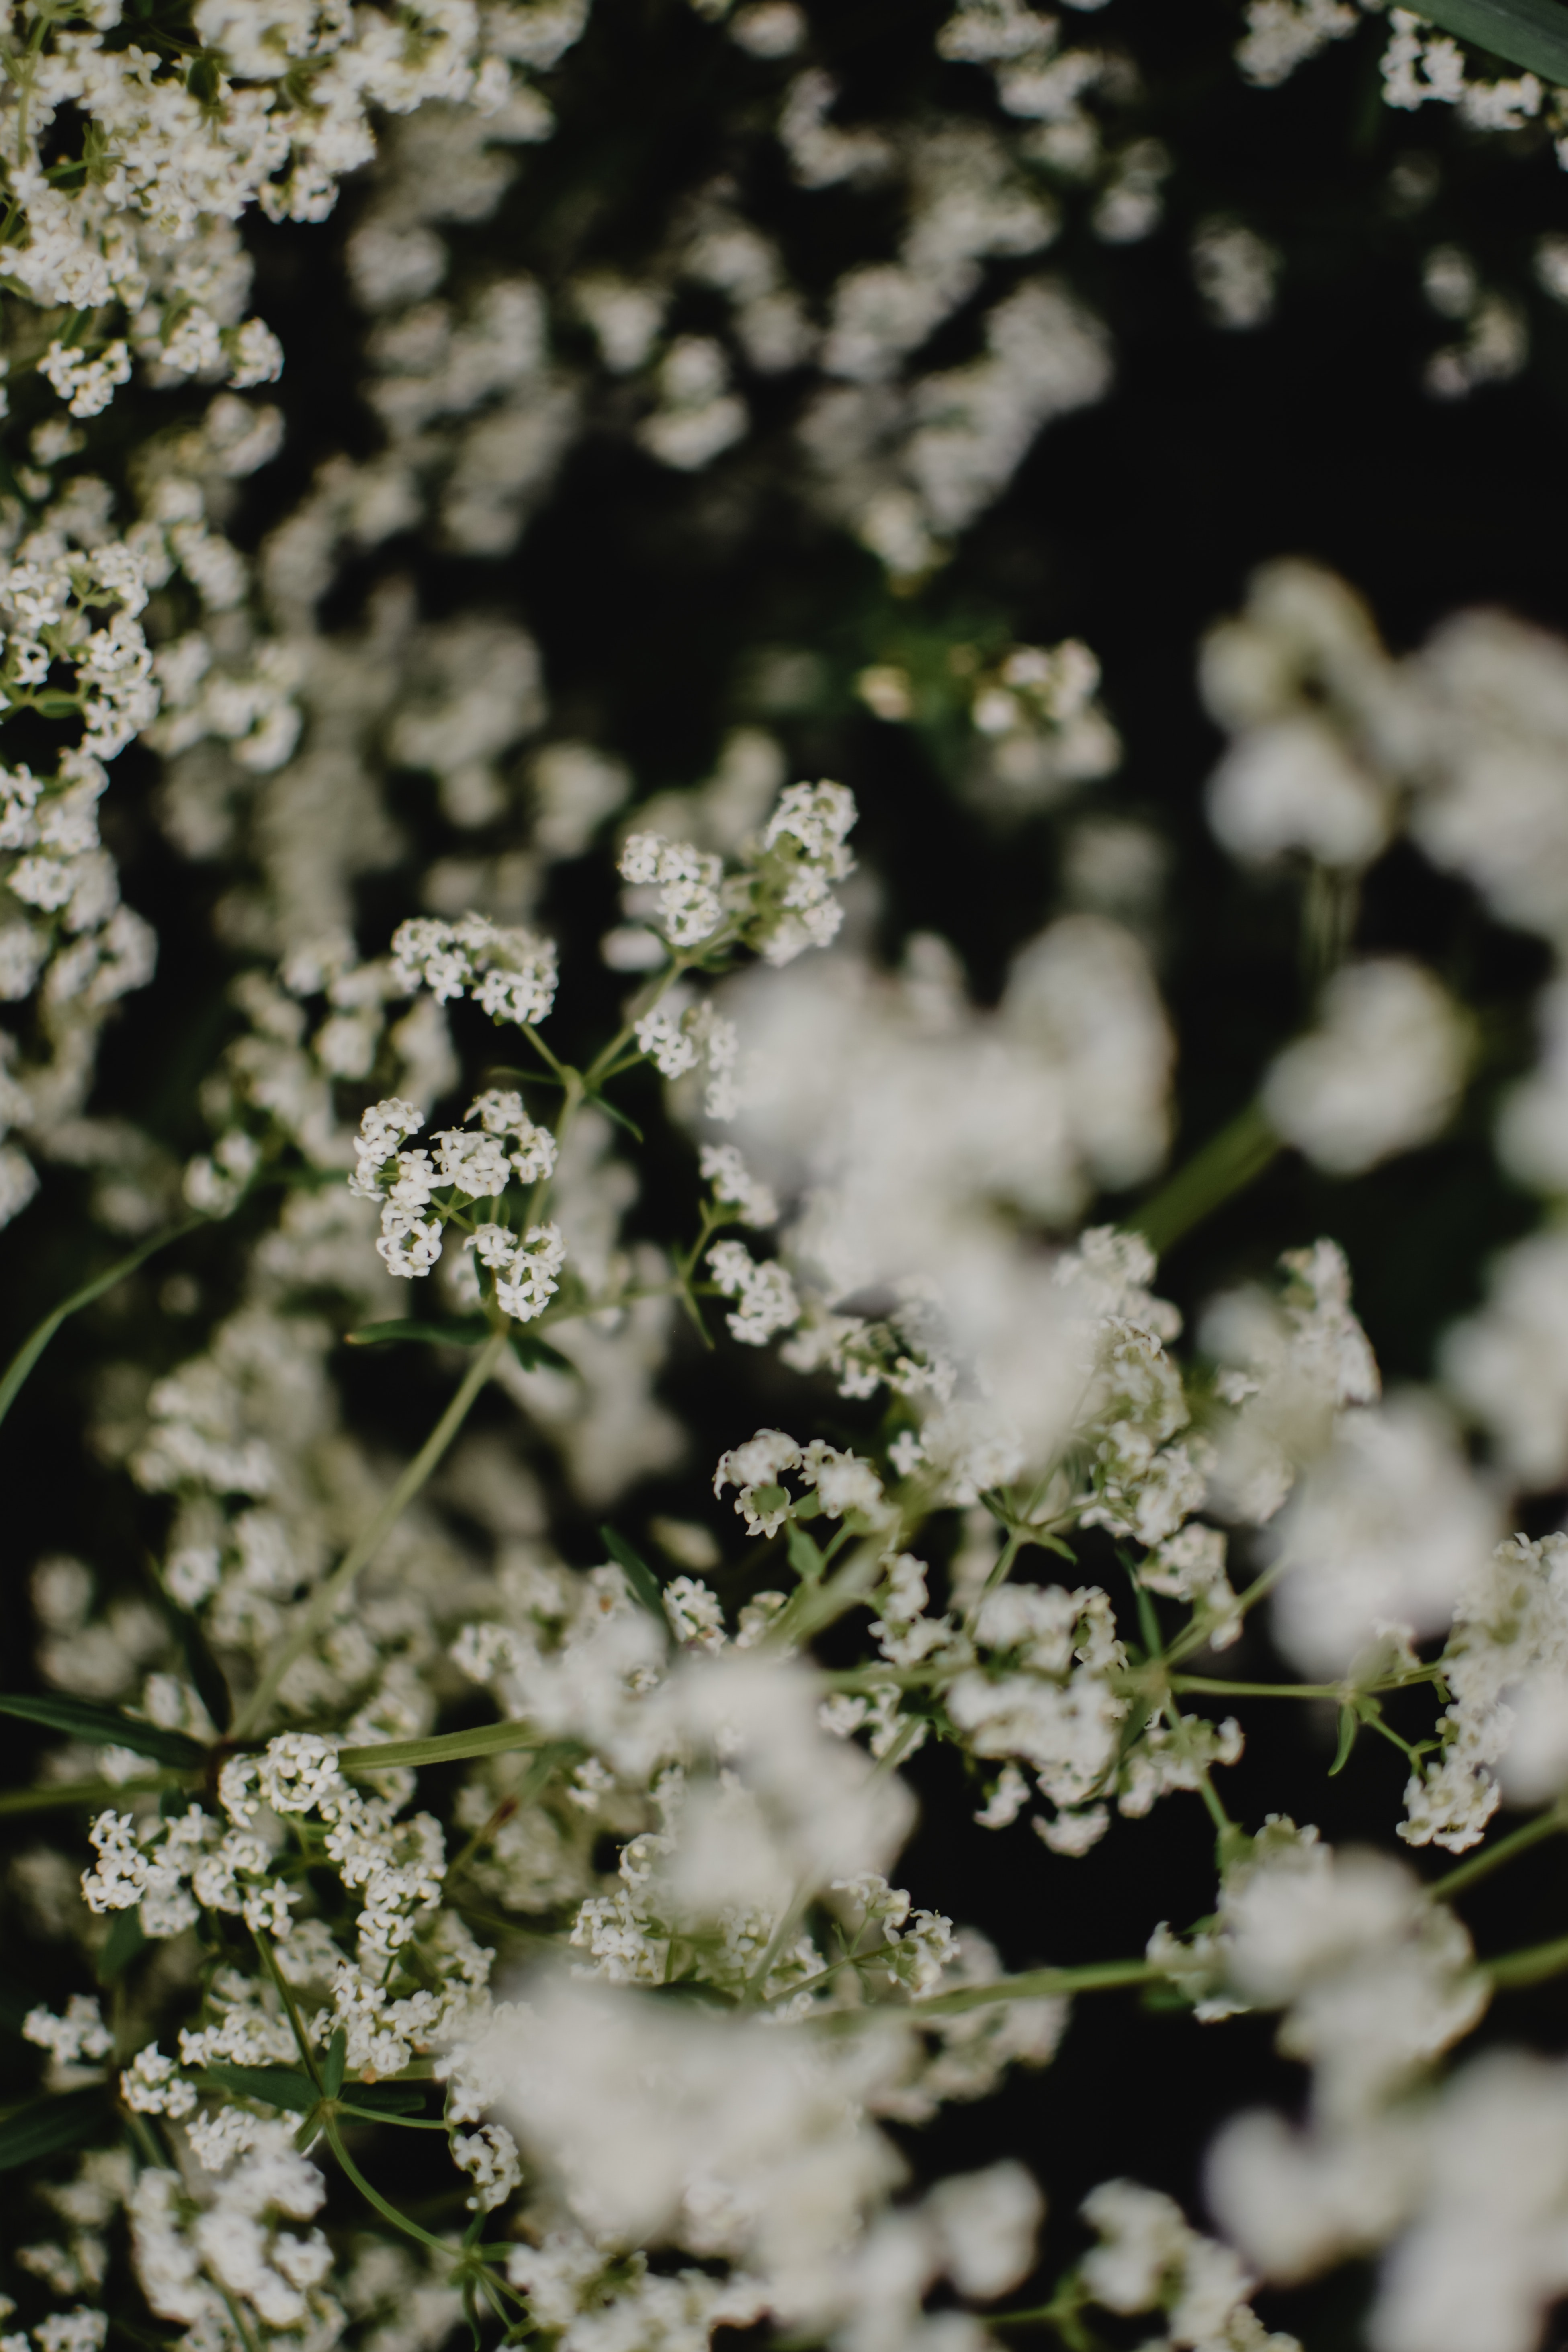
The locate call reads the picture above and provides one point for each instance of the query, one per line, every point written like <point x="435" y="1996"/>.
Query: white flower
<point x="489" y="2155"/>
<point x="735" y="1186"/>
<point x="1381" y="1074"/>
<point x="761" y="1462"/>
<point x="79" y="2034"/>
<point x="766" y="1297"/>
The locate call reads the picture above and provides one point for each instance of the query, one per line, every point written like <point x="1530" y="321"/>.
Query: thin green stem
<point x="1040" y="1984"/>
<point x="1198" y="1637"/>
<point x="285" y="1995"/>
<point x="1338" y="1692"/>
<point x="380" y="2116"/>
<point x="562" y="1069"/>
<point x="238" y="2318"/>
<point x="813" y="1606"/>
<point x="388" y="2212"/>
<point x="323" y="1602"/>
<point x="33" y="1347"/>
<point x="1532" y="1966"/>
<point x="532" y="1781"/>
<point x="1225" y="1165"/>
<point x="1492" y="1857"/>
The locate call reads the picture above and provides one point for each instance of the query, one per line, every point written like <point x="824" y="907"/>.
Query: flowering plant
<point x="680" y="1543"/>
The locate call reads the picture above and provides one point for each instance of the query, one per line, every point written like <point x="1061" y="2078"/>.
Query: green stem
<point x="238" y="2318"/>
<point x="285" y="1995"/>
<point x="1227" y="1164"/>
<point x="1198" y="1637"/>
<point x="813" y="1606"/>
<point x="532" y="1781"/>
<point x="1040" y="1984"/>
<point x="1520" y="1840"/>
<point x="323" y="1602"/>
<point x="1336" y="1691"/>
<point x="33" y="1347"/>
<point x="1530" y="1967"/>
<point x="388" y="2212"/>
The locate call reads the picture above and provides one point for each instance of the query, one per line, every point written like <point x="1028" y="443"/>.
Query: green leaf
<point x="48" y="2126"/>
<point x="618" y="1116"/>
<point x="643" y="1583"/>
<point x="388" y="2098"/>
<point x="1530" y="33"/>
<point x="1349" y="1724"/>
<point x="804" y="1556"/>
<point x="333" y="2072"/>
<point x="530" y="1351"/>
<point x="57" y="706"/>
<point x="529" y="1078"/>
<point x="443" y="1748"/>
<point x="457" y="1331"/>
<point x="279" y="2087"/>
<point x="39" y="1338"/>
<point x="107" y="1726"/>
<point x="121" y="1945"/>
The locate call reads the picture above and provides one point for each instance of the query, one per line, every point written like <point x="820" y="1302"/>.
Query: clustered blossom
<point x="766" y="1297"/>
<point x="734" y="1186"/>
<point x="689" y="906"/>
<point x="509" y="973"/>
<point x="469" y="1165"/>
<point x="779" y="901"/>
<point x="1505" y="1667"/>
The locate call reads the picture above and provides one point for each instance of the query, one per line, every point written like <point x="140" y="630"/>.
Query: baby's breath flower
<point x="766" y="1297"/>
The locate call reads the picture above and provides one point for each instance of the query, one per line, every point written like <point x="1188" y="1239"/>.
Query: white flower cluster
<point x="688" y="879"/>
<point x="1040" y="725"/>
<point x="509" y="973"/>
<point x="780" y="900"/>
<point x="274" y="106"/>
<point x="1420" y="65"/>
<point x="201" y="2251"/>
<point x="735" y="1189"/>
<point x="766" y="1301"/>
<point x="1505" y="1667"/>
<point x="469" y="1165"/>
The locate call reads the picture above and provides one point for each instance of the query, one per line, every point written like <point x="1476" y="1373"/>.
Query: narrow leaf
<point x="443" y="1748"/>
<point x="120" y="1946"/>
<point x="333" y="2072"/>
<point x="387" y="2099"/>
<point x="643" y="1583"/>
<point x="1349" y="1724"/>
<point x="804" y="1556"/>
<point x="279" y="2087"/>
<point x="33" y="1347"/>
<point x="48" y="2126"/>
<point x="107" y="1726"/>
<point x="456" y="1331"/>
<point x="618" y="1116"/>
<point x="1531" y="33"/>
<point x="531" y="1352"/>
